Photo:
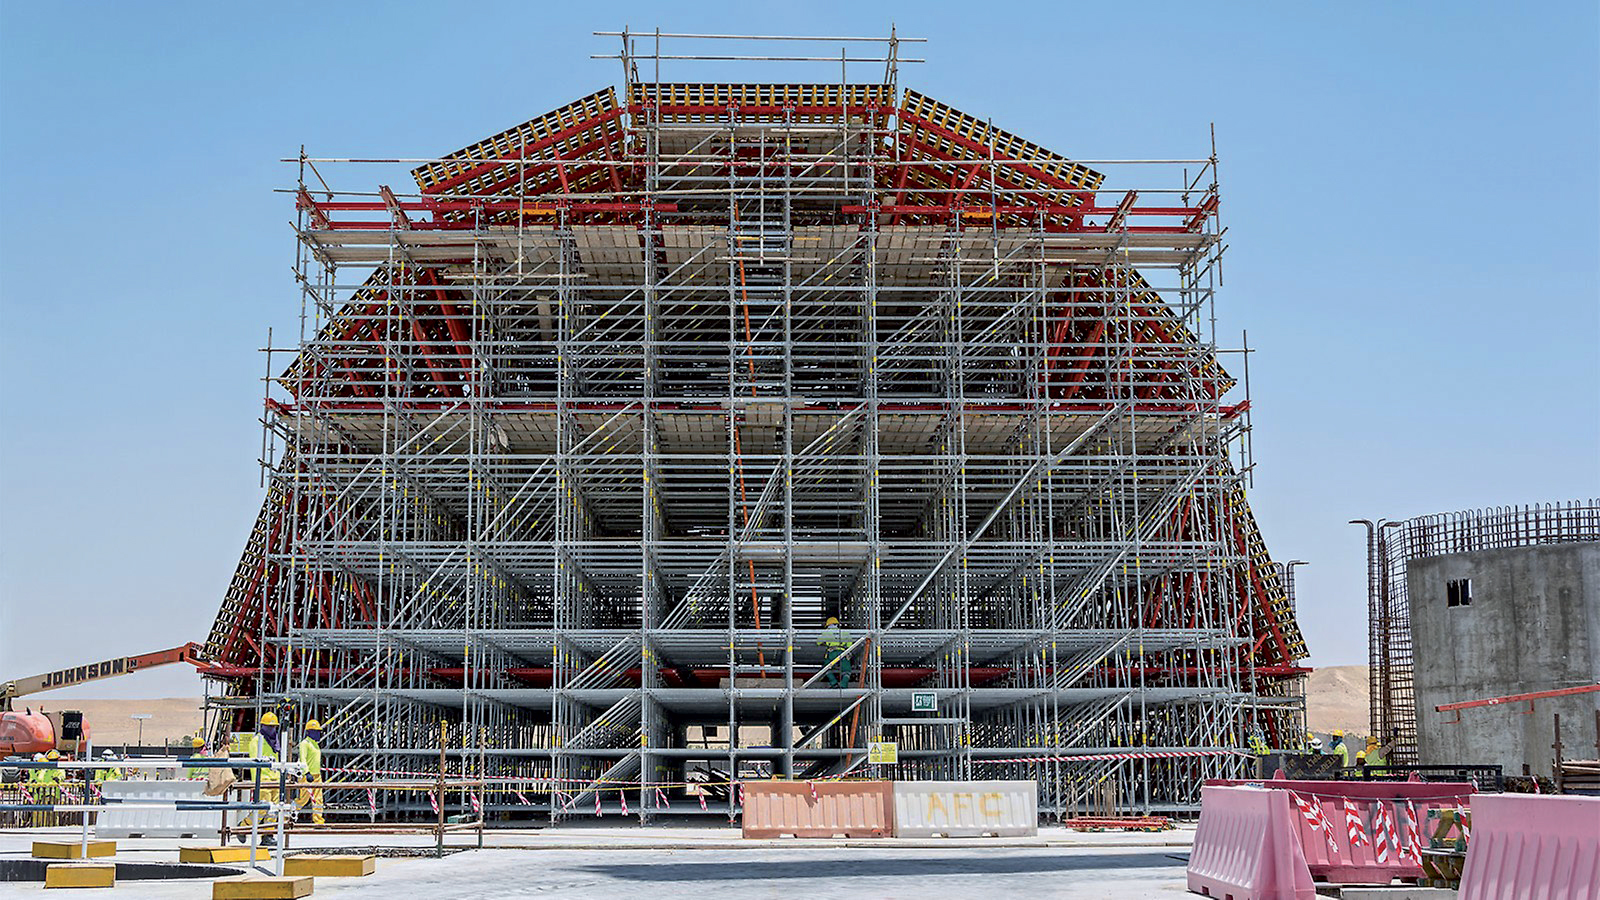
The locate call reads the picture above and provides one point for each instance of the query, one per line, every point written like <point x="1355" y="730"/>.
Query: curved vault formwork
<point x="590" y="431"/>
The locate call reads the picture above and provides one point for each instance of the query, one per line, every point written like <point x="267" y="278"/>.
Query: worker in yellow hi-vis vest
<point x="45" y="785"/>
<point x="309" y="751"/>
<point x="836" y="642"/>
<point x="197" y="747"/>
<point x="263" y="748"/>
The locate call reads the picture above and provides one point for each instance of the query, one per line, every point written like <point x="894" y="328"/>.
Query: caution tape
<point x="1105" y="757"/>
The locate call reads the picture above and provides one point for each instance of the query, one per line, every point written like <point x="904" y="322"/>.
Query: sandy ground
<point x="1337" y="697"/>
<point x="171" y="718"/>
<point x="690" y="862"/>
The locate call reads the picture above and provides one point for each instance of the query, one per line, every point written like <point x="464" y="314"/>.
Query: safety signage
<point x="924" y="701"/>
<point x="883" y="753"/>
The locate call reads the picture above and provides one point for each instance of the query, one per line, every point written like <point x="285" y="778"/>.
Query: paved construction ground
<point x="665" y="863"/>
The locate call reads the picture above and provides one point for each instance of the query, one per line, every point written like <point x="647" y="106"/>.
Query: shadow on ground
<point x="869" y="867"/>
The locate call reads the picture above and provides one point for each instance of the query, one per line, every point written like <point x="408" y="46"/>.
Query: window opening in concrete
<point x="1458" y="592"/>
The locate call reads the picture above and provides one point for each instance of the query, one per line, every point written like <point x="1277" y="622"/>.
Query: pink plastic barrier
<point x="1244" y="848"/>
<point x="1380" y="848"/>
<point x="1525" y="845"/>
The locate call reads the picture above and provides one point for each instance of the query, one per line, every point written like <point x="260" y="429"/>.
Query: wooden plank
<point x="330" y="866"/>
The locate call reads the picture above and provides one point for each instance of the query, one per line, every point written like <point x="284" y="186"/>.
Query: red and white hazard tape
<point x="1103" y="757"/>
<point x="1380" y="831"/>
<point x="1352" y="822"/>
<point x="1413" y="832"/>
<point x="1311" y="811"/>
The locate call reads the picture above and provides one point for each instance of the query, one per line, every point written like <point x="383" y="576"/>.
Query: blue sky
<point x="1412" y="192"/>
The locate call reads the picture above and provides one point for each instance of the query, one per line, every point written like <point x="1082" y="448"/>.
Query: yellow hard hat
<point x="269" y="718"/>
<point x="1361" y="754"/>
<point x="1338" y="732"/>
<point x="197" y="742"/>
<point x="1310" y="736"/>
<point x="313" y="725"/>
<point x="52" y="755"/>
<point x="833" y="620"/>
<point x="1372" y="741"/>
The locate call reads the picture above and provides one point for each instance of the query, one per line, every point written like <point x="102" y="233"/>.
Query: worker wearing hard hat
<point x="1313" y="743"/>
<point x="836" y="642"/>
<point x="309" y="751"/>
<point x="109" y="773"/>
<point x="1376" y="755"/>
<point x="45" y="776"/>
<point x="197" y="747"/>
<point x="264" y="748"/>
<point x="47" y="783"/>
<point x="1339" y="748"/>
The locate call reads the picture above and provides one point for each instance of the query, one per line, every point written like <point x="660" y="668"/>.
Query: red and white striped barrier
<point x="1359" y="851"/>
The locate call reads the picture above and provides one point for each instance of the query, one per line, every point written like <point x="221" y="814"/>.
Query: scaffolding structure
<point x="1393" y="711"/>
<point x="587" y="435"/>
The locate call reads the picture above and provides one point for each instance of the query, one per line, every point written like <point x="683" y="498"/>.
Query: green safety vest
<point x="309" y="753"/>
<point x="833" y="638"/>
<point x="260" y="749"/>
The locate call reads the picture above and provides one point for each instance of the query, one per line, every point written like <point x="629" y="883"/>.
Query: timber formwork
<point x="589" y="432"/>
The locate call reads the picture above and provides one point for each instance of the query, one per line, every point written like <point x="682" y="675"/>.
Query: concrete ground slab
<point x="692" y="863"/>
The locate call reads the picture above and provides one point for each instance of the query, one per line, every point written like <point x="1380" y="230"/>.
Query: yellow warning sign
<point x="883" y="753"/>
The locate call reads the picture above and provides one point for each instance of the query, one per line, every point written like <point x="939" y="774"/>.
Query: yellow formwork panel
<point x="512" y="140"/>
<point x="1005" y="143"/>
<point x="330" y="866"/>
<point x="220" y="854"/>
<point x="261" y="887"/>
<point x="72" y="849"/>
<point x="80" y="875"/>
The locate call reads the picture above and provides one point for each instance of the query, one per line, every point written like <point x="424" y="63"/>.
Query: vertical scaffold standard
<point x="590" y="432"/>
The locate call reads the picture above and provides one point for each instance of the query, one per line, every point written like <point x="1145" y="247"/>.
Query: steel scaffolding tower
<point x="587" y="435"/>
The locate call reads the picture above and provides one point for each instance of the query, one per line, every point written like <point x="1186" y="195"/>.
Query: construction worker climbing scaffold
<point x="834" y="640"/>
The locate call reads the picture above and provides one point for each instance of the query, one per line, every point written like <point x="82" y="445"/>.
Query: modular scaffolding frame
<point x="585" y="438"/>
<point x="1390" y="656"/>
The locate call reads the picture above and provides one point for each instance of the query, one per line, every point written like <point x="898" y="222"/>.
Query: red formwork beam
<point x="521" y="152"/>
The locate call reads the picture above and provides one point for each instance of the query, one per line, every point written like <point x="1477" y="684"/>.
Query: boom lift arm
<point x="191" y="653"/>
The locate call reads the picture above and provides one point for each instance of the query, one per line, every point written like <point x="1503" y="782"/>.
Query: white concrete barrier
<point x="966" y="808"/>
<point x="166" y="822"/>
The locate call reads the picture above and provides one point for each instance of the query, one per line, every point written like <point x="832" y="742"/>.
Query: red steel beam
<point x="474" y="171"/>
<point x="1519" y="698"/>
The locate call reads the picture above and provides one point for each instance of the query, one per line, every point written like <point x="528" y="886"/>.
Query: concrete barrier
<point x="1347" y="861"/>
<point x="1525" y="845"/>
<point x="164" y="822"/>
<point x="966" y="808"/>
<point x="818" y="809"/>
<point x="1245" y="847"/>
